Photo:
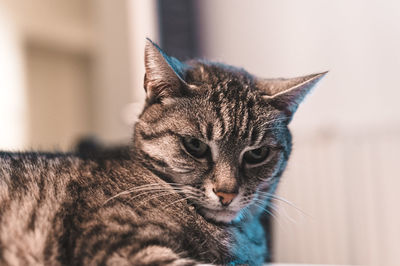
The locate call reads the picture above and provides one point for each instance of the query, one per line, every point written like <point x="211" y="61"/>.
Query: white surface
<point x="298" y="264"/>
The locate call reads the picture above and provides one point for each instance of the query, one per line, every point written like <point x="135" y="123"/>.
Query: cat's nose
<point x="224" y="197"/>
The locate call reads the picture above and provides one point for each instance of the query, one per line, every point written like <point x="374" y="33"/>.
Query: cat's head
<point x="218" y="131"/>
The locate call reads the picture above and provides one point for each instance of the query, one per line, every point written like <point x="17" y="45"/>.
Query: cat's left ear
<point x="165" y="75"/>
<point x="287" y="94"/>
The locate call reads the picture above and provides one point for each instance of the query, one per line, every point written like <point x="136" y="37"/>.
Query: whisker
<point x="150" y="192"/>
<point x="154" y="186"/>
<point x="176" y="201"/>
<point x="155" y="197"/>
<point x="182" y="170"/>
<point x="282" y="212"/>
<point x="274" y="128"/>
<point x="281" y="199"/>
<point x="275" y="219"/>
<point x="260" y="205"/>
<point x="271" y="214"/>
<point x="275" y="120"/>
<point x="130" y="191"/>
<point x="173" y="191"/>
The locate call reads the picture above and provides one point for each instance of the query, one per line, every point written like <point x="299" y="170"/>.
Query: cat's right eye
<point x="195" y="147"/>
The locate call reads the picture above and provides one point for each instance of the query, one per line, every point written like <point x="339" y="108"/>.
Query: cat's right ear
<point x="287" y="94"/>
<point x="165" y="75"/>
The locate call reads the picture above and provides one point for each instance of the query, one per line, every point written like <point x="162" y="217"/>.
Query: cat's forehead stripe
<point x="234" y="117"/>
<point x="209" y="131"/>
<point x="214" y="150"/>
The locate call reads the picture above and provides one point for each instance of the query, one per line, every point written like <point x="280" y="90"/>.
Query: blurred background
<point x="74" y="68"/>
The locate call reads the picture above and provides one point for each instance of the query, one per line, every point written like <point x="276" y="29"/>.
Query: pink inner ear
<point x="164" y="74"/>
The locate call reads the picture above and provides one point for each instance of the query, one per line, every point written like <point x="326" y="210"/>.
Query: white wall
<point x="143" y="23"/>
<point x="13" y="126"/>
<point x="70" y="69"/>
<point x="343" y="168"/>
<point x="356" y="40"/>
<point x="45" y="46"/>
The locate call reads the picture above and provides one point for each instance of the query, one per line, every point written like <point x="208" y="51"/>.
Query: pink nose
<point x="225" y="198"/>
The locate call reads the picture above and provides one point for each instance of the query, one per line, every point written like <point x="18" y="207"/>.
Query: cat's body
<point x="54" y="210"/>
<point x="207" y="153"/>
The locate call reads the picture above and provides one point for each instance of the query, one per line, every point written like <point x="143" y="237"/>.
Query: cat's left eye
<point x="195" y="147"/>
<point x="256" y="156"/>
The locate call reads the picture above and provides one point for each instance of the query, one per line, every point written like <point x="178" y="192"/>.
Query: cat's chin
<point x="219" y="216"/>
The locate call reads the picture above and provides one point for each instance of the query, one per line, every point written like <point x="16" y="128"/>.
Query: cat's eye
<point x="195" y="147"/>
<point x="256" y="156"/>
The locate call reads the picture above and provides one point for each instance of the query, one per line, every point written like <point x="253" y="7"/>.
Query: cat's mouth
<point x="218" y="215"/>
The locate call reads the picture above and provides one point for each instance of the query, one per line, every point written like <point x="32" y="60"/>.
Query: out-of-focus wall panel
<point x="68" y="24"/>
<point x="94" y="50"/>
<point x="47" y="46"/>
<point x="347" y="187"/>
<point x="143" y="23"/>
<point x="112" y="70"/>
<point x="59" y="93"/>
<point x="13" y="128"/>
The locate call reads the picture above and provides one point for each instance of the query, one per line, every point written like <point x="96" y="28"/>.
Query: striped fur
<point x="152" y="203"/>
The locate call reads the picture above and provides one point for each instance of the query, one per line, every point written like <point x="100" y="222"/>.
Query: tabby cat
<point x="207" y="153"/>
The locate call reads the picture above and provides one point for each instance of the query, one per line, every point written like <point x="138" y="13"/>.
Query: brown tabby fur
<point x="152" y="203"/>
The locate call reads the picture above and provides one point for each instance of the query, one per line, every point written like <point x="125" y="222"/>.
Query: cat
<point x="207" y="153"/>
